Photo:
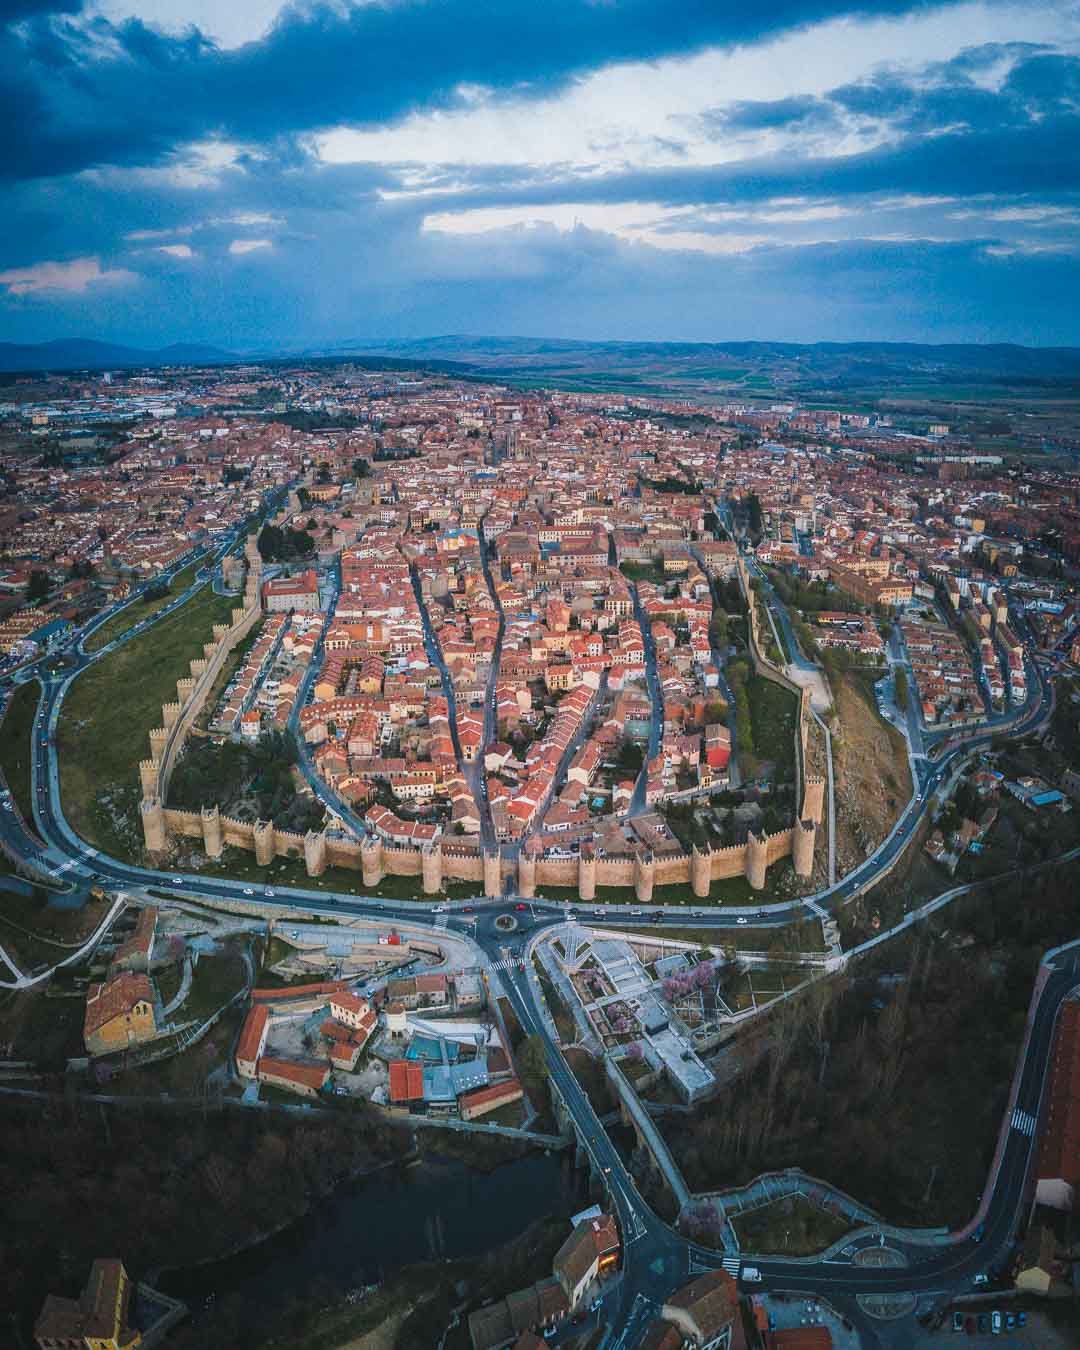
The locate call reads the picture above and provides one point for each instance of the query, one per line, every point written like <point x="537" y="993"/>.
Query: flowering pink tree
<point x="704" y="974"/>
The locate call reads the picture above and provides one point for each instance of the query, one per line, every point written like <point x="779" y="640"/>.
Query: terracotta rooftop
<point x="251" y="1035"/>
<point x="114" y="998"/>
<point x="711" y="1300"/>
<point x="406" y="1081"/>
<point x="1059" y="1156"/>
<point x="100" y="1311"/>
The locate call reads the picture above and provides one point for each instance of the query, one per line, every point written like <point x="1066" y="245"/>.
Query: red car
<point x="519" y="905"/>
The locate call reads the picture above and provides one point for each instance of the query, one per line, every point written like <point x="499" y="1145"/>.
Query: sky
<point x="272" y="177"/>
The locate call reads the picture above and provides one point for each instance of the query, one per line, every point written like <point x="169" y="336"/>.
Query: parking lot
<point x="1036" y="1334"/>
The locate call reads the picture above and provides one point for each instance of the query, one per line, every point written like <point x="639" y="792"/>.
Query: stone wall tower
<point x="371" y="861"/>
<point x="431" y="864"/>
<point x="155" y="834"/>
<point x="644" y="875"/>
<point x="526" y="877"/>
<point x="315" y="853"/>
<point x="265" y="848"/>
<point x="803" y="838"/>
<point x="213" y="842"/>
<point x="492" y="872"/>
<point x="701" y="872"/>
<point x="586" y="872"/>
<point x="757" y="855"/>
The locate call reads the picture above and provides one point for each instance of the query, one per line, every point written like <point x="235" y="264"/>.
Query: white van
<point x="750" y="1274"/>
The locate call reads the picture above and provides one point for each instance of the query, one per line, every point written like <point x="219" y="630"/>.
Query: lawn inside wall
<point x="107" y="715"/>
<point x="773" y="712"/>
<point x="139" y="610"/>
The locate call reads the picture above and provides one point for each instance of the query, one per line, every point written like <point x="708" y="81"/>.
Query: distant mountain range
<point x="86" y="354"/>
<point x="1004" y="356"/>
<point x="700" y="371"/>
<point x="861" y="371"/>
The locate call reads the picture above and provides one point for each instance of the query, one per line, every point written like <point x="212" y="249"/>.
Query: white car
<point x="248" y="890"/>
<point x="178" y="881"/>
<point x="438" y="909"/>
<point x="741" y="920"/>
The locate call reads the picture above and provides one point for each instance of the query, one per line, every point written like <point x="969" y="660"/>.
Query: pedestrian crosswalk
<point x="512" y="963"/>
<point x="732" y="1264"/>
<point x="1024" y="1122"/>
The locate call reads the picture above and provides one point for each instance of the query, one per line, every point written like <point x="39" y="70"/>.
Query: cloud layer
<point x="577" y="168"/>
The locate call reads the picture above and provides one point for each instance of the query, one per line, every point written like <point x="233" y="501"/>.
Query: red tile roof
<point x="1059" y="1156"/>
<point x="306" y="1073"/>
<point x="406" y="1081"/>
<point x="114" y="998"/>
<point x="299" y="991"/>
<point x="251" y="1036"/>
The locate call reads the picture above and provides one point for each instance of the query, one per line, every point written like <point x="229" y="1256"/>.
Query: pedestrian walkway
<point x="1024" y="1122"/>
<point x="512" y="963"/>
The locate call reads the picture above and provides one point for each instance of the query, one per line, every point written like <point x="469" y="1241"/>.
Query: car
<point x="983" y="1323"/>
<point x="958" y="1321"/>
<point x="520" y="906"/>
<point x="763" y="913"/>
<point x="594" y="1306"/>
<point x="1010" y="1320"/>
<point x="438" y="909"/>
<point x="1021" y="1319"/>
<point x="267" y="890"/>
<point x="178" y="881"/>
<point x="742" y="919"/>
<point x="995" y="1323"/>
<point x="467" y="909"/>
<point x="248" y="890"/>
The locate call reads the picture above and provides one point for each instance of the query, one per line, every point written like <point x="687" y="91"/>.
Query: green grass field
<point x="794" y="1226"/>
<point x="141" y="609"/>
<point x="108" y="713"/>
<point x="773" y="711"/>
<point x="15" y="747"/>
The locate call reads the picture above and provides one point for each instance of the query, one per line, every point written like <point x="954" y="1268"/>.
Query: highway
<point x="656" y="1258"/>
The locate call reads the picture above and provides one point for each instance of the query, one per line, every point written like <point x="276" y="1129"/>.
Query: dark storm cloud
<point x="103" y="93"/>
<point x="777" y="114"/>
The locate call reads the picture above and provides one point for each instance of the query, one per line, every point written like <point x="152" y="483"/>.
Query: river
<point x="374" y="1226"/>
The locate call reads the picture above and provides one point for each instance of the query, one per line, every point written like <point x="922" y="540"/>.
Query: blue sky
<point x="268" y="176"/>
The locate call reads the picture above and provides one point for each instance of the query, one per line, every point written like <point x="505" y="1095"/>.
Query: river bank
<point x="376" y="1230"/>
